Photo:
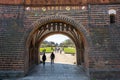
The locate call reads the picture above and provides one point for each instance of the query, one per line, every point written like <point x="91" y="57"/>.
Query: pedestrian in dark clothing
<point x="52" y="56"/>
<point x="44" y="58"/>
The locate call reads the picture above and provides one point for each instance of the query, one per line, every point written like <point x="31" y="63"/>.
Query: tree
<point x="67" y="43"/>
<point x="47" y="44"/>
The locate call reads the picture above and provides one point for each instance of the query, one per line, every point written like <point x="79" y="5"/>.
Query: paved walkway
<point x="62" y="69"/>
<point x="56" y="71"/>
<point x="62" y="58"/>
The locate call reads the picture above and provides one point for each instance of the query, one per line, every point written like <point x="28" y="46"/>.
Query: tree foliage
<point x="48" y="44"/>
<point x="67" y="43"/>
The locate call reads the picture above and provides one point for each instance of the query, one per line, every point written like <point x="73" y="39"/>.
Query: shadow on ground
<point x="56" y="71"/>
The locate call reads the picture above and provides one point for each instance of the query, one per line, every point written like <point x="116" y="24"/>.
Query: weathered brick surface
<point x="11" y="39"/>
<point x="104" y="54"/>
<point x="57" y="2"/>
<point x="105" y="75"/>
<point x="106" y="43"/>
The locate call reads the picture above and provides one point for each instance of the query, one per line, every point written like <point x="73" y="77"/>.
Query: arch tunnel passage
<point x="55" y="28"/>
<point x="62" y="46"/>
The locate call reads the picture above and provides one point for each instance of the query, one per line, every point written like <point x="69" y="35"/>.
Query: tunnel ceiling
<point x="58" y="2"/>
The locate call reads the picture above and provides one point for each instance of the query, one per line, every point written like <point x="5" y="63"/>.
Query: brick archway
<point x="42" y="24"/>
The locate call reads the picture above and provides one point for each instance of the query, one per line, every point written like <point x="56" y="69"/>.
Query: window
<point x="112" y="14"/>
<point x="112" y="18"/>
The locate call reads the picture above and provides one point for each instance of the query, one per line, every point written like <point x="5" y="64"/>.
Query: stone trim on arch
<point x="61" y="18"/>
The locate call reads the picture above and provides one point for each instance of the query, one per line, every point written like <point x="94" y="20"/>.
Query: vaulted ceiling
<point x="57" y="2"/>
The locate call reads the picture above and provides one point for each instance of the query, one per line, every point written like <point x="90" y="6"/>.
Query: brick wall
<point x="11" y="40"/>
<point x="104" y="55"/>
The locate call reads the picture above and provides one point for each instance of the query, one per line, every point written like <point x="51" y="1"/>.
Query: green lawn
<point x="69" y="50"/>
<point x="48" y="49"/>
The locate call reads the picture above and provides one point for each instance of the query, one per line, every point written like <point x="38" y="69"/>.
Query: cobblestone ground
<point x="62" y="69"/>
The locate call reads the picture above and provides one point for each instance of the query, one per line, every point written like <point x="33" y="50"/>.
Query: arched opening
<point x="63" y="26"/>
<point x="112" y="14"/>
<point x="62" y="46"/>
<point x="112" y="18"/>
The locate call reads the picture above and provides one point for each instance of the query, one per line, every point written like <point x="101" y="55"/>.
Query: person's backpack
<point x="52" y="56"/>
<point x="44" y="58"/>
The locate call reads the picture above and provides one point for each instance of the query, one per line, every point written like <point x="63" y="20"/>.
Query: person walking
<point x="52" y="56"/>
<point x="44" y="58"/>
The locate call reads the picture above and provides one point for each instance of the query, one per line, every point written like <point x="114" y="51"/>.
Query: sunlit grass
<point x="48" y="49"/>
<point x="69" y="50"/>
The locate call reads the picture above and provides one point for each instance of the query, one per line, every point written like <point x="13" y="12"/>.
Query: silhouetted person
<point x="52" y="56"/>
<point x="60" y="51"/>
<point x="44" y="58"/>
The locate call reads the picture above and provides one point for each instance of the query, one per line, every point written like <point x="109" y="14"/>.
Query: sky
<point x="57" y="38"/>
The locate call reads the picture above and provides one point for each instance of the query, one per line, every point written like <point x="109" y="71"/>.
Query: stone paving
<point x="56" y="71"/>
<point x="62" y="69"/>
